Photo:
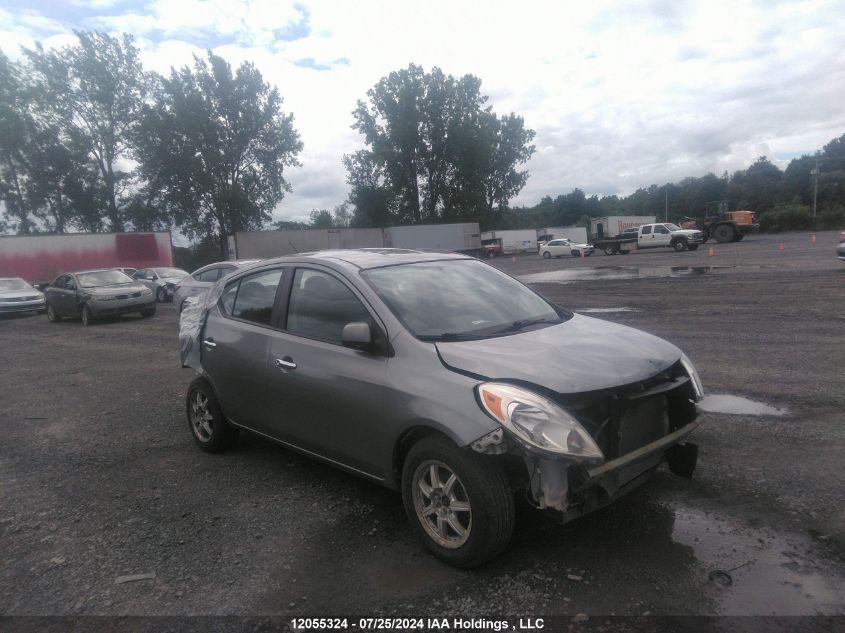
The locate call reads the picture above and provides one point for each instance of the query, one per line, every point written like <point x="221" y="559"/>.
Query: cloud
<point x="621" y="95"/>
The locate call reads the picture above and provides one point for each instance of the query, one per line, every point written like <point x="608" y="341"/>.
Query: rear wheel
<point x="575" y="253"/>
<point x="679" y="245"/>
<point x="547" y="255"/>
<point x="458" y="502"/>
<point x="87" y="316"/>
<point x="610" y="250"/>
<point x="724" y="233"/>
<point x="52" y="315"/>
<point x="208" y="427"/>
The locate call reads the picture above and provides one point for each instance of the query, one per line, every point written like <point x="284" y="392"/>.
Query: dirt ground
<point x="99" y="477"/>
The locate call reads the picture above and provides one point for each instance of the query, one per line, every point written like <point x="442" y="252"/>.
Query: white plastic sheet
<point x="192" y="322"/>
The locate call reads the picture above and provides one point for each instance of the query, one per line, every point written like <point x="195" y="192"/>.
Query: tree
<point x="216" y="143"/>
<point x="435" y="150"/>
<point x="95" y="90"/>
<point x="13" y="141"/>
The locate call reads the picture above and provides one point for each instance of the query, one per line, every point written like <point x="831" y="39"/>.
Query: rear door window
<point x="321" y="305"/>
<point x="210" y="275"/>
<point x="646" y="230"/>
<point x="255" y="297"/>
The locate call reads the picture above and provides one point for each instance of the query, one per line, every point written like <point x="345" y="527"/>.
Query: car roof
<point x="93" y="270"/>
<point x="364" y="258"/>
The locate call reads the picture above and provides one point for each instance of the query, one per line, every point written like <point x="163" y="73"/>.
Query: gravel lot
<point x="99" y="477"/>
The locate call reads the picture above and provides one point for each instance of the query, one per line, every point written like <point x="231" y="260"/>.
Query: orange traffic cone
<point x="813" y="241"/>
<point x="780" y="246"/>
<point x="711" y="252"/>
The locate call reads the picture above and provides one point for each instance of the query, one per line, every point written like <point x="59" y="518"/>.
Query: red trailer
<point x="39" y="258"/>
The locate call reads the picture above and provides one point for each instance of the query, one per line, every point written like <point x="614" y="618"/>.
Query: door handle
<point x="284" y="363"/>
<point x="209" y="343"/>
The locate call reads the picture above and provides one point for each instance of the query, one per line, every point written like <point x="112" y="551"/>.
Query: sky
<point x="621" y="94"/>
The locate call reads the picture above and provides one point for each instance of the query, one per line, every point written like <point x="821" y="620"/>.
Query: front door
<point x="327" y="398"/>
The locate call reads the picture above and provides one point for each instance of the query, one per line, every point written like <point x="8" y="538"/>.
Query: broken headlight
<point x="537" y="420"/>
<point x="697" y="386"/>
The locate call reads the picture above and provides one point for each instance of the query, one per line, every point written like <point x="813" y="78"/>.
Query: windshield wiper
<point x="452" y="336"/>
<point x="521" y="324"/>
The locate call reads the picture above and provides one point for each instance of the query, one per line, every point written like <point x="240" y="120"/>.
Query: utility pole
<point x="815" y="172"/>
<point x="666" y="204"/>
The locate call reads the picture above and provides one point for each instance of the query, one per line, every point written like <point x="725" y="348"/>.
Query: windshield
<point x="102" y="278"/>
<point x="13" y="284"/>
<point x="170" y="272"/>
<point x="672" y="227"/>
<point x="459" y="299"/>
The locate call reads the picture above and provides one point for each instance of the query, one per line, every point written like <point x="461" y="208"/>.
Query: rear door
<point x="327" y="398"/>
<point x="235" y="343"/>
<point x="646" y="236"/>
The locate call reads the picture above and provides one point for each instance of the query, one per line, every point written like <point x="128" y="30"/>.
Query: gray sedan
<point x="417" y="370"/>
<point x="17" y="296"/>
<point x="204" y="278"/>
<point x="92" y="294"/>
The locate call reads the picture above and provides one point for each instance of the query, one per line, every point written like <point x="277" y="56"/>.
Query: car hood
<point x="579" y="355"/>
<point x="116" y="289"/>
<point x="13" y="294"/>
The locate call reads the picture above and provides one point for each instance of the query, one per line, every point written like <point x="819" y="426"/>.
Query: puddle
<point x="771" y="573"/>
<point x="570" y="275"/>
<point x="734" y="405"/>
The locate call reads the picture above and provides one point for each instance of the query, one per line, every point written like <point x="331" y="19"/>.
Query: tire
<point x="161" y="295"/>
<point x="680" y="245"/>
<point x="692" y="247"/>
<point x="87" y="316"/>
<point x="148" y="312"/>
<point x="547" y="255"/>
<point x="739" y="237"/>
<point x="52" y="315"/>
<point x="480" y="485"/>
<point x="724" y="233"/>
<point x="610" y="250"/>
<point x="575" y="253"/>
<point x="208" y="427"/>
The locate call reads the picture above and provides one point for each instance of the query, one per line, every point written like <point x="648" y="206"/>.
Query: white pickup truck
<point x="652" y="236"/>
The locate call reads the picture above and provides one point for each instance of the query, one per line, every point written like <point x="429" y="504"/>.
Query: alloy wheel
<point x="442" y="504"/>
<point x="201" y="417"/>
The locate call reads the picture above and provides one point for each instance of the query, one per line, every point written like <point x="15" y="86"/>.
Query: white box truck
<point x="509" y="241"/>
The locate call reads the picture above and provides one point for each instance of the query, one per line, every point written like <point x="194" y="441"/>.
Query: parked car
<point x="204" y="278"/>
<point x="17" y="296"/>
<point x="162" y="281"/>
<point x="92" y="294"/>
<point x="127" y="271"/>
<point x="842" y="236"/>
<point x="840" y="250"/>
<point x="418" y="370"/>
<point x="564" y="246"/>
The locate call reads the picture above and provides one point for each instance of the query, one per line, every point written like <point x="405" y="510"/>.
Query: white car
<point x="162" y="281"/>
<point x="16" y="296"/>
<point x="204" y="278"/>
<point x="565" y="246"/>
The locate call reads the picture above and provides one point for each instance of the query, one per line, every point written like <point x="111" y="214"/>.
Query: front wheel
<point x="547" y="255"/>
<point x="208" y="427"/>
<point x="148" y="312"/>
<point x="52" y="315"/>
<point x="161" y="295"/>
<point x="87" y="316"/>
<point x="575" y="253"/>
<point x="458" y="502"/>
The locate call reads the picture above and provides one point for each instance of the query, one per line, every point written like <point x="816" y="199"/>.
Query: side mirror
<point x="357" y="335"/>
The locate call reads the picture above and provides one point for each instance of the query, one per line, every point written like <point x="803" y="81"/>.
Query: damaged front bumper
<point x="576" y="488"/>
